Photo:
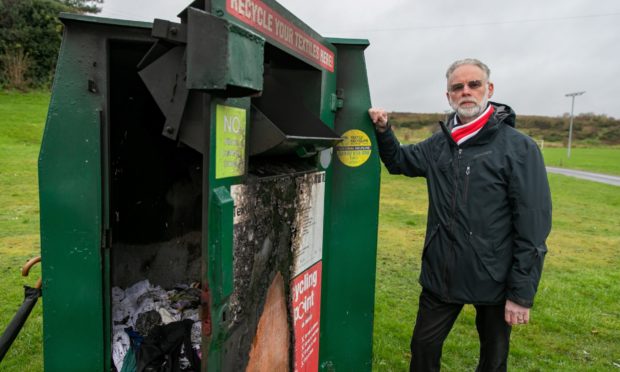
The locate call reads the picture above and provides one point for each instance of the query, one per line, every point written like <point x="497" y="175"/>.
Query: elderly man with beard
<point x="489" y="216"/>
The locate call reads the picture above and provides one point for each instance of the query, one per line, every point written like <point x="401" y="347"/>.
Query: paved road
<point x="597" y="177"/>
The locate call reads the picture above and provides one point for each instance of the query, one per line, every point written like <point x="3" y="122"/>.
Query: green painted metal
<point x="245" y="58"/>
<point x="73" y="216"/>
<point x="217" y="246"/>
<point x="269" y="29"/>
<point x="223" y="239"/>
<point x="328" y="91"/>
<point x="71" y="210"/>
<point x="107" y="311"/>
<point x="349" y="261"/>
<point x="350" y="42"/>
<point x="75" y="202"/>
<point x="67" y="17"/>
<point x="221" y="55"/>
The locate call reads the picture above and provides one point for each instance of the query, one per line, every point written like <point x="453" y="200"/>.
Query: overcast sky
<point x="537" y="50"/>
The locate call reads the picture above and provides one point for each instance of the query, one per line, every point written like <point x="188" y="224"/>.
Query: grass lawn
<point x="576" y="319"/>
<point x="593" y="159"/>
<point x="21" y="126"/>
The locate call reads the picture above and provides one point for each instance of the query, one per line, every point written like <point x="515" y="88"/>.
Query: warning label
<point x="307" y="242"/>
<point x="229" y="141"/>
<point x="355" y="148"/>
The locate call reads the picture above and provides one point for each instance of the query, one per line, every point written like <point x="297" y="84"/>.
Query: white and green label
<point x="229" y="141"/>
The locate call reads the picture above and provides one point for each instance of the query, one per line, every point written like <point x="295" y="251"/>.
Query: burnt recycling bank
<point x="224" y="162"/>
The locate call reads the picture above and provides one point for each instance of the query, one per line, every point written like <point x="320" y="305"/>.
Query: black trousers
<point x="435" y="320"/>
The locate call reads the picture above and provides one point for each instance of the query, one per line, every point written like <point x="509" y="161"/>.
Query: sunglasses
<point x="473" y="84"/>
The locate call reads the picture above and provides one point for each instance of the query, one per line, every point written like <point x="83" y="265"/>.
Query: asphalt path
<point x="596" y="177"/>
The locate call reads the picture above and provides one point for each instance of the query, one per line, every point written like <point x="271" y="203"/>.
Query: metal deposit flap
<point x="281" y="123"/>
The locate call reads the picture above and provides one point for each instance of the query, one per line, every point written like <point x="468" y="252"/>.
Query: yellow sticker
<point x="355" y="148"/>
<point x="229" y="141"/>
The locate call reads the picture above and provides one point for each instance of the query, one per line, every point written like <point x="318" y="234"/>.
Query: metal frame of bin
<point x="74" y="180"/>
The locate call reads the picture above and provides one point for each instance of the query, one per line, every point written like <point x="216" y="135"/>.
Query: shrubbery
<point x="30" y="35"/>
<point x="600" y="129"/>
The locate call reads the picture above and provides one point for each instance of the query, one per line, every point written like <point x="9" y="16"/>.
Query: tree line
<point x="588" y="128"/>
<point x="31" y="32"/>
<point x="30" y="35"/>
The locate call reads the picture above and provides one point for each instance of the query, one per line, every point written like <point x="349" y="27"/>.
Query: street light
<point x="570" y="126"/>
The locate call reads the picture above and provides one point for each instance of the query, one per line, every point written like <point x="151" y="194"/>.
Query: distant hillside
<point x="588" y="129"/>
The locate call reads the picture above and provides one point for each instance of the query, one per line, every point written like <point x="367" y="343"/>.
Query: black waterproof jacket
<point x="489" y="210"/>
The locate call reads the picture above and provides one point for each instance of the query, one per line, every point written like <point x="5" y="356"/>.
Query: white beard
<point x="473" y="111"/>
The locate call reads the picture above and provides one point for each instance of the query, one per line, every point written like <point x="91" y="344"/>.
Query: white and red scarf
<point x="461" y="133"/>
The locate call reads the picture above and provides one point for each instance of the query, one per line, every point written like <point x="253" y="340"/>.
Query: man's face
<point x="468" y="91"/>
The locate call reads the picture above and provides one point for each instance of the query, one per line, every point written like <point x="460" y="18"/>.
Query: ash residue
<point x="265" y="210"/>
<point x="280" y="166"/>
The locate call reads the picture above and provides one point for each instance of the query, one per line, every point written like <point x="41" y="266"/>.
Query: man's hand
<point x="516" y="314"/>
<point x="379" y="118"/>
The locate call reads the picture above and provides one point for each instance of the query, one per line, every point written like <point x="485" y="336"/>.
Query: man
<point x="489" y="215"/>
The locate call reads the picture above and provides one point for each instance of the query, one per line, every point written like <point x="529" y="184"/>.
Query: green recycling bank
<point x="228" y="156"/>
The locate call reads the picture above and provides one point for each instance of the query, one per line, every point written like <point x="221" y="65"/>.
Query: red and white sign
<point x="306" y="300"/>
<point x="270" y="23"/>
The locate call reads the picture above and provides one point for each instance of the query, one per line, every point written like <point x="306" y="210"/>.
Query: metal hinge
<point x="337" y="100"/>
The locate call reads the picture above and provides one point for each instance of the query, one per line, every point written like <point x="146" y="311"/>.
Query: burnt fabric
<point x="147" y="321"/>
<point x="142" y="306"/>
<point x="161" y="350"/>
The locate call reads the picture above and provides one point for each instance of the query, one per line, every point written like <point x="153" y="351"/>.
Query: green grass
<point x="21" y="125"/>
<point x="576" y="319"/>
<point x="594" y="159"/>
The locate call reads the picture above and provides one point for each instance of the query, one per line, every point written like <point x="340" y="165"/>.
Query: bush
<point x="30" y="35"/>
<point x="30" y="27"/>
<point x="590" y="127"/>
<point x="15" y="66"/>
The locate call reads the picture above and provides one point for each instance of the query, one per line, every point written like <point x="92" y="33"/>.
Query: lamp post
<point x="570" y="126"/>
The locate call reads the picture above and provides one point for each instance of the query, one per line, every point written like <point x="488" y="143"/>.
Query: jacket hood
<point x="504" y="114"/>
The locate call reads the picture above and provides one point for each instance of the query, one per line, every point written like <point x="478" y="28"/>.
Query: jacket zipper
<point x="456" y="189"/>
<point x="449" y="260"/>
<point x="466" y="187"/>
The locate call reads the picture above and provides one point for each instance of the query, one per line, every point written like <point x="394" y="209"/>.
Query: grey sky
<point x="537" y="50"/>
